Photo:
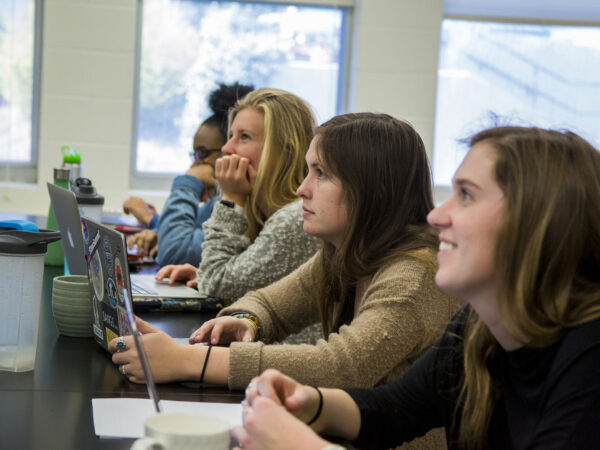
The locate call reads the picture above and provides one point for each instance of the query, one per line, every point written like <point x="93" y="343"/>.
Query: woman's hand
<point x="300" y="400"/>
<point x="268" y="426"/>
<point x="184" y="273"/>
<point x="204" y="173"/>
<point x="236" y="178"/>
<point x="141" y="210"/>
<point x="164" y="354"/>
<point x="146" y="242"/>
<point x="223" y="331"/>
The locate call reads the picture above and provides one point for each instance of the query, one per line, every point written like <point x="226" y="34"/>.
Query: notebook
<point x="148" y="294"/>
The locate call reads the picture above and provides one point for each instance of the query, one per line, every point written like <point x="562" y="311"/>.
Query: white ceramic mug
<point x="184" y="431"/>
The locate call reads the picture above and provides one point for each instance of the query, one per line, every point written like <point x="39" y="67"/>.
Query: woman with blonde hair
<point x="254" y="235"/>
<point x="519" y="365"/>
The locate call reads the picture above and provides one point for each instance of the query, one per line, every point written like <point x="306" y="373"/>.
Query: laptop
<point x="66" y="211"/>
<point x="111" y="292"/>
<point x="108" y="276"/>
<point x="147" y="293"/>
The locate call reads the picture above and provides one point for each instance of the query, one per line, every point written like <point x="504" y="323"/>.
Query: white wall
<point x="87" y="81"/>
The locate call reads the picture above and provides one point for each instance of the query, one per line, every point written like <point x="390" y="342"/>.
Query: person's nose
<point x="303" y="190"/>
<point x="439" y="217"/>
<point x="229" y="147"/>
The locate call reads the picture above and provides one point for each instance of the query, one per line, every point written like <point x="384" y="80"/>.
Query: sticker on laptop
<point x="110" y="319"/>
<point x="119" y="279"/>
<point x="124" y="325"/>
<point x="108" y="258"/>
<point x="112" y="292"/>
<point x="97" y="276"/>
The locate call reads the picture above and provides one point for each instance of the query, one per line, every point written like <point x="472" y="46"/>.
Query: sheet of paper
<point x="124" y="417"/>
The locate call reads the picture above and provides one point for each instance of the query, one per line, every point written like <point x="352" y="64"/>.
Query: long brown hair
<point x="385" y="176"/>
<point x="288" y="124"/>
<point x="547" y="257"/>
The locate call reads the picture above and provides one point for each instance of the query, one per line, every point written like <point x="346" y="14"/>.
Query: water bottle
<point x="72" y="161"/>
<point x="55" y="255"/>
<point x="90" y="202"/>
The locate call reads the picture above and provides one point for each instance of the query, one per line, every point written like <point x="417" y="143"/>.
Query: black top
<point x="550" y="397"/>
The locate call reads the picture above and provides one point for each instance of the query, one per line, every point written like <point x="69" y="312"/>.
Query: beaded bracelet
<point x="251" y="319"/>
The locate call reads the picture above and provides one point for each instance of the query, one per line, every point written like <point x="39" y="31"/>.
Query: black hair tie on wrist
<point x="205" y="362"/>
<point x="319" y="409"/>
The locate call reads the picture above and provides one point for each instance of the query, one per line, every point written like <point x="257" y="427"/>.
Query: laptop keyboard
<point x="137" y="288"/>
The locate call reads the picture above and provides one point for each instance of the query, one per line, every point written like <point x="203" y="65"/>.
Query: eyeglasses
<point x="201" y="153"/>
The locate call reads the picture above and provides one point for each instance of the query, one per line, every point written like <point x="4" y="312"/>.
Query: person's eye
<point x="245" y="137"/>
<point x="464" y="194"/>
<point x="320" y="174"/>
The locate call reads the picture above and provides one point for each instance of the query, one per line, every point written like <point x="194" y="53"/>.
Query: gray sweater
<point x="232" y="265"/>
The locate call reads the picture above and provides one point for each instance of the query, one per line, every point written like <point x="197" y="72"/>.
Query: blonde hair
<point x="547" y="257"/>
<point x="288" y="128"/>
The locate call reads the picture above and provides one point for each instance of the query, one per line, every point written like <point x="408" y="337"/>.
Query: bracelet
<point x="237" y="208"/>
<point x="205" y="362"/>
<point x="251" y="319"/>
<point x="319" y="409"/>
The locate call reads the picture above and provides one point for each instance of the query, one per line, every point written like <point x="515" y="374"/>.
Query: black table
<point x="51" y="406"/>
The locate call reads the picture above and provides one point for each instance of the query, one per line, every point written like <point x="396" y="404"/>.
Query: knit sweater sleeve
<point x="232" y="265"/>
<point x="286" y="306"/>
<point x="401" y="314"/>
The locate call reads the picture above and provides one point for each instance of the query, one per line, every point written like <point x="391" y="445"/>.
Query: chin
<point x="445" y="285"/>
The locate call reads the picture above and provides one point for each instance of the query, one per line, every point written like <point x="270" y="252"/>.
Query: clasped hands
<point x="275" y="412"/>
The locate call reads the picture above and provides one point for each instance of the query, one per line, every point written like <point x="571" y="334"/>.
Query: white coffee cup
<point x="184" y="431"/>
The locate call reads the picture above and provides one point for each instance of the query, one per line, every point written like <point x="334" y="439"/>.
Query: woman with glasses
<point x="177" y="233"/>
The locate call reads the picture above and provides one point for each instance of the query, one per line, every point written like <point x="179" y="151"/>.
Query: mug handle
<point x="147" y="444"/>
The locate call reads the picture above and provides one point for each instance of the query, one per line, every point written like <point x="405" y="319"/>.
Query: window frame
<point x="146" y="181"/>
<point x="27" y="172"/>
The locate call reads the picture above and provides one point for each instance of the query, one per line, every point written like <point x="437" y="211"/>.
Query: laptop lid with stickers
<point x="108" y="275"/>
<point x="110" y="285"/>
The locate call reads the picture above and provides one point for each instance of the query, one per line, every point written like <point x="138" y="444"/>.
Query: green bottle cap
<point x="70" y="155"/>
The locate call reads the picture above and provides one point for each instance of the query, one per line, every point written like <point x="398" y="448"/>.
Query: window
<point x="188" y="46"/>
<point x="542" y="75"/>
<point x="17" y="26"/>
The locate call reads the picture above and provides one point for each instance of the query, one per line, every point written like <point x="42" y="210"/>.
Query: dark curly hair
<point x="221" y="100"/>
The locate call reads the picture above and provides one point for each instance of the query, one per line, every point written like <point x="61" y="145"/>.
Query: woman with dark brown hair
<point x="367" y="195"/>
<point x="519" y="365"/>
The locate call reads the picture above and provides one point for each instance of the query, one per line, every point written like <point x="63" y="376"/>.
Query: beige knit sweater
<point x="401" y="314"/>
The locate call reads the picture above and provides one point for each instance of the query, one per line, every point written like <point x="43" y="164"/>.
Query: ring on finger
<point x="123" y="370"/>
<point x="121" y="346"/>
